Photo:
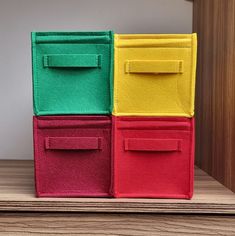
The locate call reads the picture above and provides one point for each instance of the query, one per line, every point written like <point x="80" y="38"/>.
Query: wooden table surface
<point x="210" y="212"/>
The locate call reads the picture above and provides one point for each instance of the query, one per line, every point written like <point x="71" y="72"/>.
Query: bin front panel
<point x="72" y="72"/>
<point x="72" y="156"/>
<point x="153" y="157"/>
<point x="154" y="75"/>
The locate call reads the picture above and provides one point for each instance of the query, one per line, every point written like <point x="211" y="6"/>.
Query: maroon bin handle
<point x="73" y="143"/>
<point x="153" y="145"/>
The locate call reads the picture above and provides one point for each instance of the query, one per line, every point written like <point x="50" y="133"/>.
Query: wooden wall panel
<point x="214" y="21"/>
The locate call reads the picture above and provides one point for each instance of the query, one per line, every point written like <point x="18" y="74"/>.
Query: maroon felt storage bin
<point x="153" y="157"/>
<point x="72" y="156"/>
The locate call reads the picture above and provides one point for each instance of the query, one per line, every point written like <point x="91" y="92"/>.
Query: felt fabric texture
<point x="153" y="157"/>
<point x="154" y="74"/>
<point x="72" y="156"/>
<point x="72" y="72"/>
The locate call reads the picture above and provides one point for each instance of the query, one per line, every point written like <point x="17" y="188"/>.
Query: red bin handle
<point x="73" y="143"/>
<point x="146" y="144"/>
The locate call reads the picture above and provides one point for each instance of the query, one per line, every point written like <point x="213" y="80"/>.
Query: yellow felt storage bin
<point x="154" y="74"/>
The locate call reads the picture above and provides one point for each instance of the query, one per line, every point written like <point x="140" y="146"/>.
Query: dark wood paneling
<point x="214" y="21"/>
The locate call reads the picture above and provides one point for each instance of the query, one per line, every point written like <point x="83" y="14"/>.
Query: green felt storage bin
<point x="72" y="72"/>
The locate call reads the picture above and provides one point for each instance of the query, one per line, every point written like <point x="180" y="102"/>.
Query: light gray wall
<point x="19" y="17"/>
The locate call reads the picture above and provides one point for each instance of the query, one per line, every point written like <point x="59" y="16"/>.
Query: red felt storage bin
<point x="72" y="156"/>
<point x="153" y="157"/>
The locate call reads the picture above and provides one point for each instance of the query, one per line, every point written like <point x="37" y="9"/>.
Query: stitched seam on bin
<point x="191" y="80"/>
<point x="71" y="112"/>
<point x="114" y="172"/>
<point x="131" y="113"/>
<point x="81" y="112"/>
<point x="73" y="33"/>
<point x="167" y="196"/>
<point x="34" y="74"/>
<point x="69" y="127"/>
<point x="192" y="76"/>
<point x="153" y="36"/>
<point x="72" y="43"/>
<point x="37" y="164"/>
<point x="116" y="84"/>
<point x="125" y="114"/>
<point x="142" y="128"/>
<point x="152" y="196"/>
<point x="80" y="194"/>
<point x="151" y="46"/>
<point x="33" y="51"/>
<point x="36" y="85"/>
<point x="83" y="33"/>
<point x="178" y="99"/>
<point x="76" y="117"/>
<point x="111" y="74"/>
<point x="154" y="118"/>
<point x="190" y="157"/>
<point x="117" y="80"/>
<point x="73" y="191"/>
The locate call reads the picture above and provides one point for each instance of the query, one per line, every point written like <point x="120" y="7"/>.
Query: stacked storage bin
<point x="154" y="83"/>
<point x="146" y="147"/>
<point x="72" y="87"/>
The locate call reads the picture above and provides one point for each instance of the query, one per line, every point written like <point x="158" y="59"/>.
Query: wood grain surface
<point x="17" y="194"/>
<point x="114" y="224"/>
<point x="214" y="21"/>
